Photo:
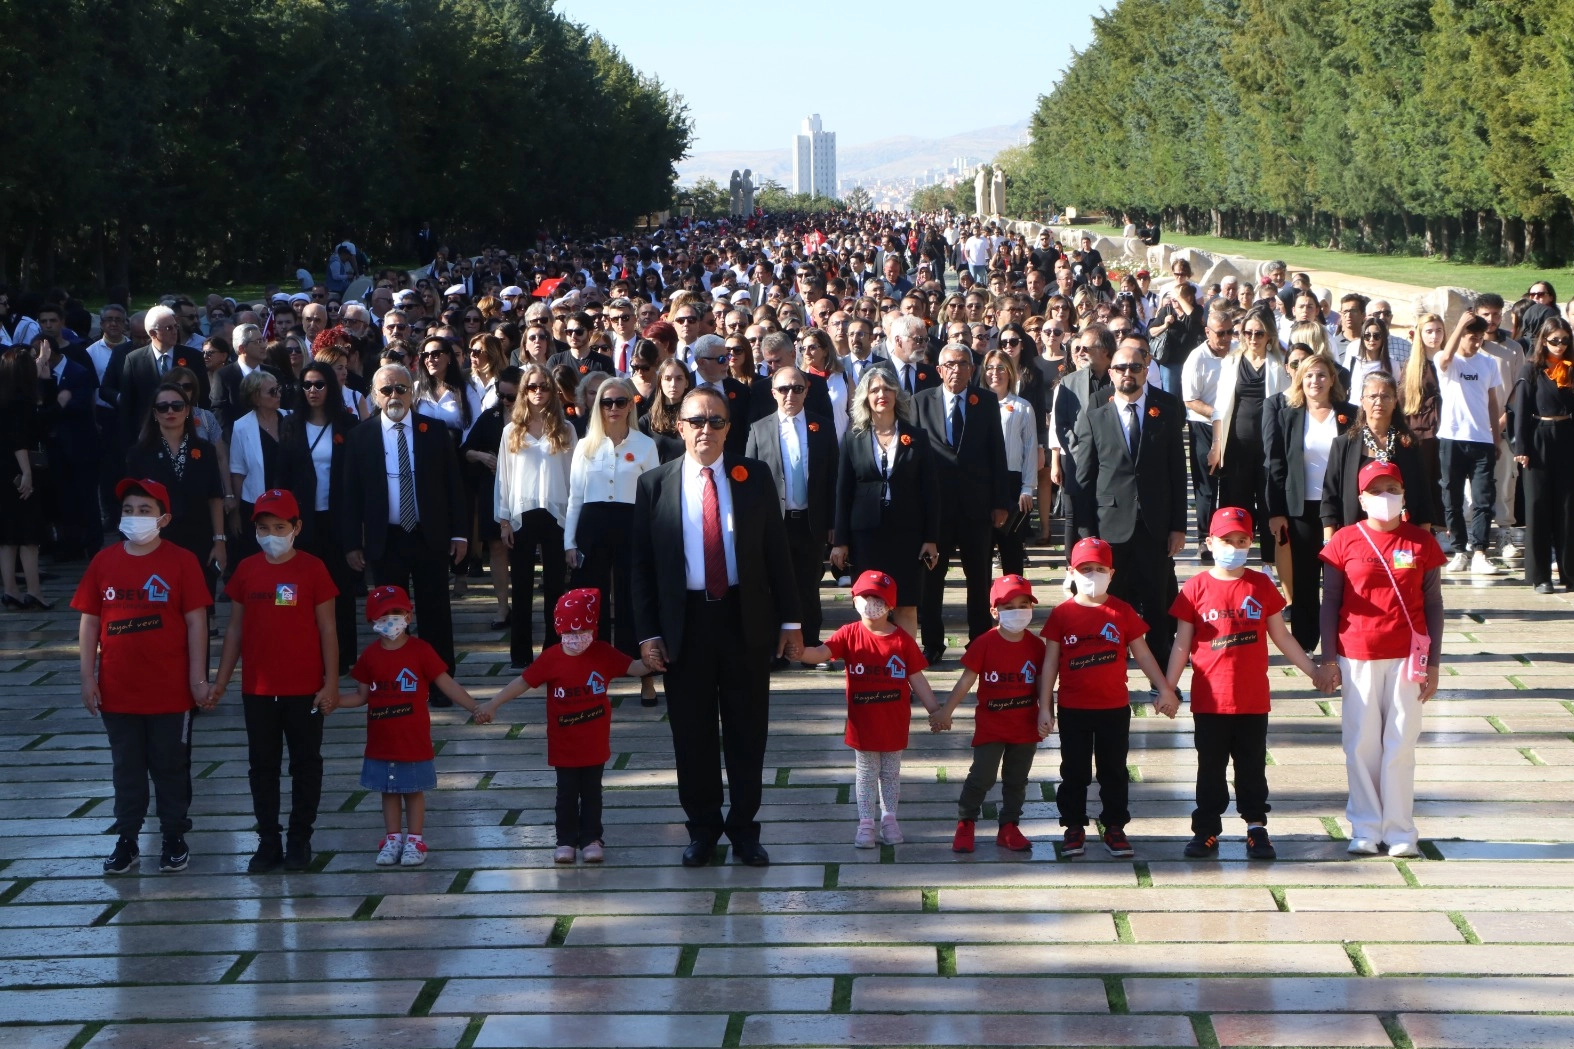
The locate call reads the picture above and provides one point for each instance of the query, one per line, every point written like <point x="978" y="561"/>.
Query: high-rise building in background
<point x="814" y="159"/>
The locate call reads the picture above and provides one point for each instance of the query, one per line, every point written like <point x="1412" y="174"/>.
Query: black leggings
<point x="579" y="805"/>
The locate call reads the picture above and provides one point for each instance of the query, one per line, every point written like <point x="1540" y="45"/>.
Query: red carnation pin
<point x="196" y="453"/>
<point x="628" y="456"/>
<point x="972" y="398"/>
<point x="583" y="368"/>
<point x="814" y="427"/>
<point x="338" y="438"/>
<point x="1153" y="413"/>
<point x="907" y="439"/>
<point x="740" y="474"/>
<point x="422" y="427"/>
<point x="1343" y="419"/>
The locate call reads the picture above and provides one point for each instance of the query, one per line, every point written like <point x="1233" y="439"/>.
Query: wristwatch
<point x="221" y="539"/>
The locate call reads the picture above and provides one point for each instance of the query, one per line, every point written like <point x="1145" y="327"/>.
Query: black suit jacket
<point x="439" y="488"/>
<point x="138" y="378"/>
<point x="816" y="399"/>
<point x="1114" y="490"/>
<point x="1075" y="397"/>
<point x="1341" y="485"/>
<point x="299" y="476"/>
<point x="924" y="375"/>
<point x="914" y="482"/>
<point x="70" y="430"/>
<point x="765" y="445"/>
<point x="1284" y="441"/>
<point x="227" y="402"/>
<point x="974" y="473"/>
<point x="740" y="401"/>
<point x="768" y="597"/>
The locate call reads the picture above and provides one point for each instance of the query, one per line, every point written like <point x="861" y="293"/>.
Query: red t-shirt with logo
<point x="1372" y="622"/>
<point x="1093" y="641"/>
<point x="1007" y="687"/>
<point x="579" y="712"/>
<point x="281" y="650"/>
<point x="398" y="725"/>
<point x="1229" y="648"/>
<point x="144" y="666"/>
<point x="879" y="695"/>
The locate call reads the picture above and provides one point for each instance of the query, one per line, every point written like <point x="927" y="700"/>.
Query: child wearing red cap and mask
<point x="884" y="670"/>
<point x="577" y="673"/>
<point x="1086" y="641"/>
<point x="395" y="674"/>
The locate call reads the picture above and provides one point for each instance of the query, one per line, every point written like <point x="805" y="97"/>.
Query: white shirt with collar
<point x="1121" y="414"/>
<point x="794" y="433"/>
<point x="948" y="400"/>
<point x="391" y="461"/>
<point x="100" y="353"/>
<point x="694" y="522"/>
<point x="608" y="474"/>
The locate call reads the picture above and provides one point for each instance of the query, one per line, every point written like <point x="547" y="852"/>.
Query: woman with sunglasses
<point x="1373" y="354"/>
<point x="1542" y="439"/>
<point x="441" y="391"/>
<point x="170" y="452"/>
<point x="660" y="424"/>
<point x="535" y="346"/>
<point x="602" y="479"/>
<point x="817" y="356"/>
<point x="642" y="373"/>
<point x="487" y="361"/>
<point x="288" y="356"/>
<point x="1017" y="420"/>
<point x="256" y="462"/>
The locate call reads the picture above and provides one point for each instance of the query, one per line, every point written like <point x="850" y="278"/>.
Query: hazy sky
<point x="802" y="53"/>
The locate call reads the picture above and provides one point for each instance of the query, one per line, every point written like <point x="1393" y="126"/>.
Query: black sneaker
<point x="1202" y="847"/>
<point x="175" y="855"/>
<point x="1258" y="847"/>
<point x="298" y="855"/>
<point x="268" y="857"/>
<point x="123" y="858"/>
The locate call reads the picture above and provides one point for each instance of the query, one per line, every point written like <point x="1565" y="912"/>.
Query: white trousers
<point x="1380" y="727"/>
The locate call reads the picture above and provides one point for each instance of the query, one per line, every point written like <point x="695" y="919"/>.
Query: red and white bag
<point x="1420" y="643"/>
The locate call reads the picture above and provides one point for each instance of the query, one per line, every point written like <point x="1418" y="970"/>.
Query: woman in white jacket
<point x="256" y="461"/>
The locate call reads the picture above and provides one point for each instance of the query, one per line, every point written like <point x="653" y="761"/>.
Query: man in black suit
<point x="799" y="448"/>
<point x="908" y="340"/>
<point x="1131" y="476"/>
<point x="141" y="371"/>
<point x="623" y="324"/>
<point x="714" y="601"/>
<point x="711" y="358"/>
<point x="404" y="508"/>
<point x="1087" y="387"/>
<point x="250" y="345"/>
<point x="776" y="351"/>
<point x="968" y="445"/>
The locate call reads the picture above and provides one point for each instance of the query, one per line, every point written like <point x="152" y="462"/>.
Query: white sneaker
<point x="890" y="830"/>
<point x="864" y="839"/>
<point x="1458" y="563"/>
<point x="414" y="854"/>
<point x="1404" y="850"/>
<point x="1362" y="847"/>
<point x="1509" y="552"/>
<point x="1479" y="565"/>
<point x="564" y="854"/>
<point x="388" y="855"/>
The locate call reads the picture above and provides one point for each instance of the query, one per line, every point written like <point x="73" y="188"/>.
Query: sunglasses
<point x="614" y="402"/>
<point x="169" y="407"/>
<point x="396" y="327"/>
<point x="432" y="355"/>
<point x="793" y="389"/>
<point x="1371" y="336"/>
<point x="1010" y="342"/>
<point x="715" y="422"/>
<point x="538" y="387"/>
<point x="396" y="388"/>
<point x="639" y="367"/>
<point x="573" y="331"/>
<point x="1253" y="333"/>
<point x="508" y="398"/>
<point x="1557" y="342"/>
<point x="1127" y="369"/>
<point x="271" y="391"/>
<point x="684" y="320"/>
<point x="314" y="384"/>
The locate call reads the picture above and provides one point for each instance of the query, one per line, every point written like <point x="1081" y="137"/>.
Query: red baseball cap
<point x="1091" y="549"/>
<point x="1009" y="586"/>
<point x="1375" y="469"/>
<point x="1227" y="519"/>
<point x="875" y="583"/>
<point x="150" y="488"/>
<point x="578" y="611"/>
<point x="279" y="503"/>
<point x="384" y="600"/>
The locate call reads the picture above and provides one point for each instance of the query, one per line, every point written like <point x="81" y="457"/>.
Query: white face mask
<point x="1093" y="584"/>
<point x="1016" y="619"/>
<point x="1382" y="506"/>
<point x="275" y="545"/>
<point x="395" y="411"/>
<point x="139" y="529"/>
<point x="1229" y="558"/>
<point x="574" y="644"/>
<point x="871" y="607"/>
<point x="391" y="627"/>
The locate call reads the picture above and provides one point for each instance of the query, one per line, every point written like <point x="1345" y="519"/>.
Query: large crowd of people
<point x="689" y="432"/>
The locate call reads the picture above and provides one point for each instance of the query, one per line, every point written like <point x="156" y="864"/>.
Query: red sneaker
<point x="1115" y="841"/>
<point x="1011" y="837"/>
<point x="963" y="842"/>
<point x="1074" y="841"/>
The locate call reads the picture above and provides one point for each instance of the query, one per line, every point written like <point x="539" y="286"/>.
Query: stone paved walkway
<point x="491" y="945"/>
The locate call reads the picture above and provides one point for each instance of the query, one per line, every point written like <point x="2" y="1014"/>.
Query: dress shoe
<point x="933" y="656"/>
<point x="753" y="854"/>
<point x="699" y="853"/>
<point x="1545" y="588"/>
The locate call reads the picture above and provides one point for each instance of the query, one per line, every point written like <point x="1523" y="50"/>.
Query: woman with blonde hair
<point x="1421" y="403"/>
<point x="1017" y="420"/>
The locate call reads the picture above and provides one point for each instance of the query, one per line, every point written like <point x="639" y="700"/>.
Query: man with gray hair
<point x="250" y="350"/>
<point x="142" y="370"/>
<point x="908" y="337"/>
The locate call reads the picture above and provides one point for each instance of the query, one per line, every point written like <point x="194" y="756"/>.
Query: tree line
<point x="165" y="140"/>
<point x="1435" y="127"/>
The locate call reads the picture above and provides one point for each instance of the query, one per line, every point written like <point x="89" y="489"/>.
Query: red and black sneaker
<point x="963" y="841"/>
<point x="1011" y="837"/>
<point x="1074" y="842"/>
<point x="1115" y="841"/>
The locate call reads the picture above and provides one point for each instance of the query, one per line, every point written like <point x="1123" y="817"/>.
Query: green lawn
<point x="1508" y="281"/>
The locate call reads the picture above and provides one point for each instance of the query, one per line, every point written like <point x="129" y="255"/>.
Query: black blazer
<point x="915" y="487"/>
<point x="765" y="445"/>
<point x="138" y="378"/>
<point x="299" y="475"/>
<point x="816" y="399"/>
<point x="740" y="402"/>
<point x="1284" y="436"/>
<point x="70" y="431"/>
<point x="1076" y="396"/>
<point x="1114" y="491"/>
<point x="974" y="474"/>
<point x="439" y="488"/>
<point x="1341" y="491"/>
<point x="227" y="402"/>
<point x="768" y="595"/>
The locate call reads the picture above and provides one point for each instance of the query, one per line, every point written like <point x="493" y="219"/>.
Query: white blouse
<point x="841" y="397"/>
<point x="445" y="409"/>
<point x="607" y="475"/>
<point x="319" y="439"/>
<point x="1317" y="442"/>
<point x="534" y="478"/>
<point x="1016" y="420"/>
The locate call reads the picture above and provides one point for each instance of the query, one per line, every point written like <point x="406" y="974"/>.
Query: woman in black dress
<point x="1542" y="408"/>
<point x="21" y="504"/>
<point x="170" y="452"/>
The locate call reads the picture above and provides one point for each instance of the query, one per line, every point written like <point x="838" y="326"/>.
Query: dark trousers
<point x="973" y="540"/>
<point x="155" y="747"/>
<point x="1306" y="575"/>
<point x="271" y="722"/>
<point x="808" y="565"/>
<point x="76" y="493"/>
<point x="408" y="559"/>
<point x="111" y="465"/>
<point x="1013" y="762"/>
<point x="1548" y="488"/>
<point x="605" y="545"/>
<point x="1243" y="482"/>
<point x="579" y="805"/>
<point x="321" y="543"/>
<point x="1204" y="486"/>
<point x="717" y="674"/>
<point x="537" y="528"/>
<point x="1220" y="739"/>
<point x="1010" y="541"/>
<point x="1086" y="737"/>
<point x="1145" y="579"/>
<point x="1473" y="461"/>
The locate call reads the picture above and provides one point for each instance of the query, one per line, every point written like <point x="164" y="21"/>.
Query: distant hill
<point x="899" y="157"/>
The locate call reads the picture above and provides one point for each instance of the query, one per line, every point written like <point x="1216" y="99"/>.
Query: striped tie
<point x="407" y="518"/>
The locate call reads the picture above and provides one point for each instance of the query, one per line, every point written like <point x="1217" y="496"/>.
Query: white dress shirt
<point x="1200" y="380"/>
<point x="694" y="522"/>
<point x="609" y="474"/>
<point x="533" y="478"/>
<point x="1122" y="415"/>
<point x="948" y="402"/>
<point x="101" y="352"/>
<point x="795" y="447"/>
<point x="391" y="461"/>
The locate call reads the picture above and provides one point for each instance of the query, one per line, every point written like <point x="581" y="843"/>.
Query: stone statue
<point x="980" y="201"/>
<point x="997" y="193"/>
<point x="735" y="195"/>
<point x="748" y="195"/>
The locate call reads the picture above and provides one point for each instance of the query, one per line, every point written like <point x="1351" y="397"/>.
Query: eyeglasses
<point x="791" y="389"/>
<point x="1010" y="342"/>
<point x="388" y="391"/>
<point x="472" y="320"/>
<point x="396" y="327"/>
<point x="1127" y="369"/>
<point x="314" y="384"/>
<point x="949" y="366"/>
<point x="271" y="391"/>
<point x="614" y="402"/>
<point x="169" y="407"/>
<point x="699" y="422"/>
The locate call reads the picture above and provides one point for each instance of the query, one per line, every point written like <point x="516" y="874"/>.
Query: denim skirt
<point x="398" y="777"/>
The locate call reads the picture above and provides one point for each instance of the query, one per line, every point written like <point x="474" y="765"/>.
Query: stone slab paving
<point x="492" y="945"/>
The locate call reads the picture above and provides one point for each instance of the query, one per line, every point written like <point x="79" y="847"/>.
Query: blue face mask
<point x="1230" y="558"/>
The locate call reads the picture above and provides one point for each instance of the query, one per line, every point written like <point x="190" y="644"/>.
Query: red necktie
<point x="715" y="550"/>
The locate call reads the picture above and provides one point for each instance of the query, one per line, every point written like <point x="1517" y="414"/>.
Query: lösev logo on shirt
<point x="1026" y="676"/>
<point x="1250" y="609"/>
<point x="595" y="685"/>
<point x="154" y="591"/>
<point x="893" y="668"/>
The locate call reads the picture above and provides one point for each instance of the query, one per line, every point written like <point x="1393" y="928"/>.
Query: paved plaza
<point x="491" y="945"/>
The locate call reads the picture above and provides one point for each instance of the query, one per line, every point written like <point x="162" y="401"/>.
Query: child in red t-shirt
<point x="1004" y="661"/>
<point x="1223" y="620"/>
<point x="1086" y="640"/>
<point x="281" y="622"/>
<point x="395" y="673"/>
<point x="884" y="670"/>
<point x="576" y="672"/>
